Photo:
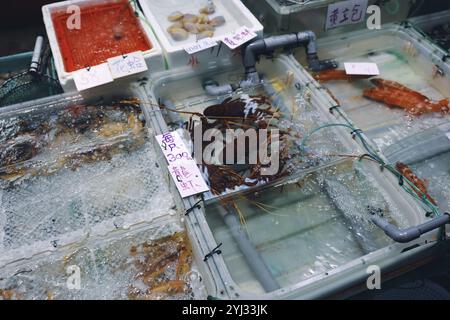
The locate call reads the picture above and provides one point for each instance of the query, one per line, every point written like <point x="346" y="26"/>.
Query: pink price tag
<point x="187" y="178"/>
<point x="239" y="37"/>
<point x="173" y="147"/>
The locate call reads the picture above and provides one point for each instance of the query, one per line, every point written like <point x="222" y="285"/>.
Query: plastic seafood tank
<point x="282" y="102"/>
<point x="154" y="262"/>
<point x="428" y="155"/>
<point x="77" y="178"/>
<point x="320" y="231"/>
<point x="178" y="23"/>
<point x="402" y="57"/>
<point x="108" y="28"/>
<point x="436" y="27"/>
<point x="280" y="16"/>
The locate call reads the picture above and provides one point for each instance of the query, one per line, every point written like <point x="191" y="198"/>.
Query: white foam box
<point x="154" y="57"/>
<point x="235" y="13"/>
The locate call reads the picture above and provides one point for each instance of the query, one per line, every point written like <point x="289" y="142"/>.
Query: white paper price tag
<point x="188" y="178"/>
<point x="362" y="68"/>
<point x="173" y="147"/>
<point x="239" y="37"/>
<point x="127" y="64"/>
<point x="200" y="45"/>
<point x="92" y="77"/>
<point x="346" y="12"/>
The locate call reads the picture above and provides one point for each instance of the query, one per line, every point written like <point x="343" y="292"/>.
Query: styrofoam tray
<point x="234" y="12"/>
<point x="153" y="57"/>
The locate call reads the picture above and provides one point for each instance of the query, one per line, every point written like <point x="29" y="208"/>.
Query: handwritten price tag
<point x="188" y="178"/>
<point x="239" y="37"/>
<point x="92" y="77"/>
<point x="346" y="12"/>
<point x="200" y="45"/>
<point x="173" y="147"/>
<point x="127" y="64"/>
<point x="362" y="68"/>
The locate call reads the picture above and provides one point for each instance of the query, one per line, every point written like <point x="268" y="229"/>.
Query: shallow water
<point x="398" y="59"/>
<point x="306" y="229"/>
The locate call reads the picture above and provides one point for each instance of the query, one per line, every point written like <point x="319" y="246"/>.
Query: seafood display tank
<point x="402" y="57"/>
<point x="319" y="213"/>
<point x="314" y="174"/>
<point x="436" y="27"/>
<point x="79" y="180"/>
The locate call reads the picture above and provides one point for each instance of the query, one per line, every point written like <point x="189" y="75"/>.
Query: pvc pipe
<point x="412" y="233"/>
<point x="252" y="256"/>
<point x="257" y="48"/>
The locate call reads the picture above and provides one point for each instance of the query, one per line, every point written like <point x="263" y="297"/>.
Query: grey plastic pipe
<point x="252" y="256"/>
<point x="266" y="46"/>
<point x="412" y="233"/>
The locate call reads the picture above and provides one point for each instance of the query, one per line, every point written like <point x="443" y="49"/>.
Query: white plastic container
<point x="235" y="13"/>
<point x="153" y="57"/>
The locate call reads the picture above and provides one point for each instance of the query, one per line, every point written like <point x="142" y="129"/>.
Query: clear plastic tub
<point x="436" y="27"/>
<point x="71" y="168"/>
<point x="306" y="213"/>
<point x="299" y="107"/>
<point x="75" y="50"/>
<point x="148" y="262"/>
<point x="235" y="13"/>
<point x="79" y="183"/>
<point x="428" y="155"/>
<point x="402" y="57"/>
<point x="317" y="224"/>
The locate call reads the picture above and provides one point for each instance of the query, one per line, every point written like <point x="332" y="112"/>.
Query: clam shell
<point x="178" y="34"/>
<point x="217" y="21"/>
<point x="191" y="27"/>
<point x="205" y="34"/>
<point x="209" y="9"/>
<point x="203" y="18"/>
<point x="175" y="16"/>
<point x="205" y="27"/>
<point x="190" y="18"/>
<point x="176" y="25"/>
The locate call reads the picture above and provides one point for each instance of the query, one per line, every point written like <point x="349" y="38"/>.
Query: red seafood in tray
<point x="397" y="95"/>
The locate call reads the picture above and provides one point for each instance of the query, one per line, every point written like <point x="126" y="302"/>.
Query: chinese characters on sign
<point x="173" y="147"/>
<point x="238" y="38"/>
<point x="183" y="169"/>
<point x="346" y="12"/>
<point x="128" y="64"/>
<point x="187" y="178"/>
